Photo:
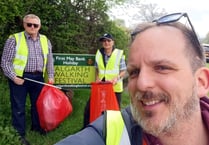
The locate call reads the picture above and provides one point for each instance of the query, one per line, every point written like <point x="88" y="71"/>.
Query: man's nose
<point x="145" y="80"/>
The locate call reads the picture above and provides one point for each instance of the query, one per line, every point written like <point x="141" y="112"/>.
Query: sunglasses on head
<point x="170" y="18"/>
<point x="174" y="18"/>
<point x="31" y="24"/>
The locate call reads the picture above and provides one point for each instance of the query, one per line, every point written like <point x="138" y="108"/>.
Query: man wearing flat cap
<point x="110" y="64"/>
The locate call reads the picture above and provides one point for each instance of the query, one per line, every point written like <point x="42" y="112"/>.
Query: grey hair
<point x="32" y="16"/>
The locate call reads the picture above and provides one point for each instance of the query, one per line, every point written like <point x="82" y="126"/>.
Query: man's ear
<point x="202" y="76"/>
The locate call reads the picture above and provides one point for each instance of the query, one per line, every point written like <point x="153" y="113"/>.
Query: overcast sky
<point x="198" y="11"/>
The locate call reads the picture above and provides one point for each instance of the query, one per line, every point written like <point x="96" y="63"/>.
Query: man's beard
<point x="177" y="113"/>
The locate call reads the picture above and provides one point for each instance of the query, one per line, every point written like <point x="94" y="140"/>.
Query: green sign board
<point x="74" y="70"/>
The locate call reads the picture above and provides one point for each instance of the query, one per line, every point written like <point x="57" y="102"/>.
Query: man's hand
<point x="18" y="81"/>
<point x="51" y="81"/>
<point x="114" y="81"/>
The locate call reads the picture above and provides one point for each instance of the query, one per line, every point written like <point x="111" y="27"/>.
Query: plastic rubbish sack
<point x="102" y="98"/>
<point x="53" y="107"/>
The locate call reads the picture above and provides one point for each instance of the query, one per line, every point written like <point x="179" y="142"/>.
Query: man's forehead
<point x="158" y="43"/>
<point x="160" y="35"/>
<point x="32" y="20"/>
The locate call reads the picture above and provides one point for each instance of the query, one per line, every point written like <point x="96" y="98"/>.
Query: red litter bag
<point x="53" y="107"/>
<point x="102" y="98"/>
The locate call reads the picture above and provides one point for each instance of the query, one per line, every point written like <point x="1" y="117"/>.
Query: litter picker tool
<point x="69" y="93"/>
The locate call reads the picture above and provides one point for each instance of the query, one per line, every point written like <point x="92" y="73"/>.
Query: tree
<point x="135" y="11"/>
<point x="149" y="12"/>
<point x="73" y="26"/>
<point x="206" y="40"/>
<point x="10" y="19"/>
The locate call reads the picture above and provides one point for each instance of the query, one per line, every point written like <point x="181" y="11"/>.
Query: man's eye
<point x="162" y="68"/>
<point x="134" y="73"/>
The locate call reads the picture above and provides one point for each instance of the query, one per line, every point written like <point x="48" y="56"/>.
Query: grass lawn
<point x="72" y="124"/>
<point x="207" y="64"/>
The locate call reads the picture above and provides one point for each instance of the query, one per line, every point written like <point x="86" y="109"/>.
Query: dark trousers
<point x="118" y="97"/>
<point x="87" y="109"/>
<point x="18" y="94"/>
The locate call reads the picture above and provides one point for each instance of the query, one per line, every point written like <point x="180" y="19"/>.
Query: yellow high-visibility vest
<point x="112" y="68"/>
<point x="21" y="55"/>
<point x="116" y="131"/>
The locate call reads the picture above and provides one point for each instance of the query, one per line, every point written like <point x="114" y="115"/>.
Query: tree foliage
<point x="73" y="26"/>
<point x="206" y="40"/>
<point x="150" y="12"/>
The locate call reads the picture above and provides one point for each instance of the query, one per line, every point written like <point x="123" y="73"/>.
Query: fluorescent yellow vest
<point x="21" y="55"/>
<point x="116" y="132"/>
<point x="112" y="68"/>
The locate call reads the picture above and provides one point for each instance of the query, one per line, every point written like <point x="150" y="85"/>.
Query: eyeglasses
<point x="173" y="18"/>
<point x="31" y="24"/>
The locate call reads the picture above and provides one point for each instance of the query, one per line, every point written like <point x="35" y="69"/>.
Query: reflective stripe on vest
<point x="21" y="55"/>
<point x="117" y="133"/>
<point x="112" y="68"/>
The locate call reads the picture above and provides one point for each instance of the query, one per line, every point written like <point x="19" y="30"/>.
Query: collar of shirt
<point x="29" y="37"/>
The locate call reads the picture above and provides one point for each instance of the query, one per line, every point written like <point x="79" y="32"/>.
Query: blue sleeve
<point x="91" y="135"/>
<point x="122" y="63"/>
